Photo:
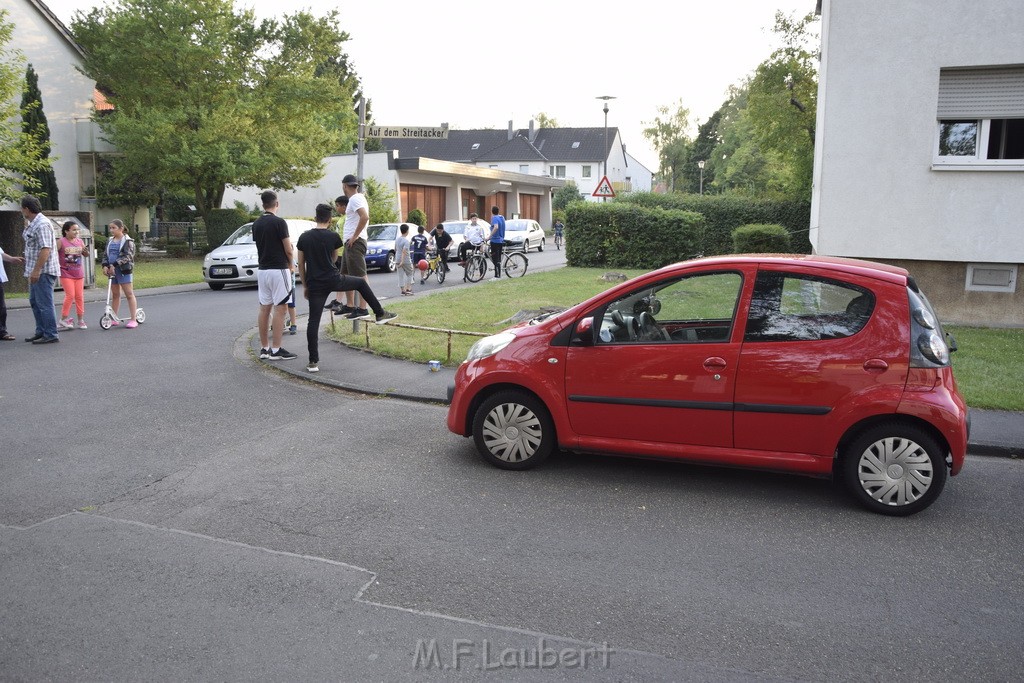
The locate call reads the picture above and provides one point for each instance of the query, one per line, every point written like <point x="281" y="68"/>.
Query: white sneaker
<point x="82" y="325"/>
<point x="66" y="324"/>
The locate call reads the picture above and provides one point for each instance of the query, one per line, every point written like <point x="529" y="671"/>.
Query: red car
<point x="808" y="364"/>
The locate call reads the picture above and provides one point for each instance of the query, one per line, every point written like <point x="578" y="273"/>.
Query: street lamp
<point x="700" y="165"/>
<point x="605" y="98"/>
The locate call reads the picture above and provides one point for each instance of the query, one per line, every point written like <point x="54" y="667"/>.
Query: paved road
<point x="169" y="509"/>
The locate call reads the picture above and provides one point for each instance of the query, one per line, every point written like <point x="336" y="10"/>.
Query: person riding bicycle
<point x="442" y="240"/>
<point x="475" y="235"/>
<point x="559" y="230"/>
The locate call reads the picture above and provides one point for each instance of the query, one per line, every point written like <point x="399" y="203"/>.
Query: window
<point x="476" y="145"/>
<point x="558" y="171"/>
<point x="793" y="307"/>
<point x="991" y="277"/>
<point x="586" y="171"/>
<point x="524" y="168"/>
<point x="699" y="308"/>
<point x="575" y="145"/>
<point x="981" y="119"/>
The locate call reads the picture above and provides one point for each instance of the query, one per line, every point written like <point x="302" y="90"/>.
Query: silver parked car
<point x="523" y="233"/>
<point x="235" y="262"/>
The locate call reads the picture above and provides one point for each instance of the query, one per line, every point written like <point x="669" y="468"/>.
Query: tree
<point x="783" y="100"/>
<point x="34" y="125"/>
<point x="21" y="154"/>
<point x="565" y="195"/>
<point x="545" y="121"/>
<point x="669" y="136"/>
<point x="118" y="184"/>
<point x="205" y="96"/>
<point x="381" y="199"/>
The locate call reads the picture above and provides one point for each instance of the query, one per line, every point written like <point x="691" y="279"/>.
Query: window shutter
<point x="991" y="93"/>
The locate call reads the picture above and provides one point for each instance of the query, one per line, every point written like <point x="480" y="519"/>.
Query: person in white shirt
<point x="353" y="259"/>
<point x="475" y="235"/>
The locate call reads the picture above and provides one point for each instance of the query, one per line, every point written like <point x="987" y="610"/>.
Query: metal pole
<point x="362" y="138"/>
<point x="605" y="174"/>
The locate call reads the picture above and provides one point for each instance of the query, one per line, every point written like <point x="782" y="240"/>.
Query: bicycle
<point x="436" y="266"/>
<point x="558" y="240"/>
<point x="475" y="265"/>
<point x="514" y="263"/>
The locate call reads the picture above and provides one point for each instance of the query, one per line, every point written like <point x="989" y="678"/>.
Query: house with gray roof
<point x="577" y="154"/>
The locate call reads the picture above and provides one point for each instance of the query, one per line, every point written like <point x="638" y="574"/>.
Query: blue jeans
<point x="40" y="295"/>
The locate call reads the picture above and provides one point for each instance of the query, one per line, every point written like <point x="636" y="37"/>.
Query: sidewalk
<point x="993" y="432"/>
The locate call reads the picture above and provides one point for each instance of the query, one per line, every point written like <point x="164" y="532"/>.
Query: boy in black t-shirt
<point x="418" y="244"/>
<point x="318" y="255"/>
<point x="274" y="277"/>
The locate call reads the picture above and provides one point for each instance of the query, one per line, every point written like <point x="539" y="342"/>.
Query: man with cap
<point x="353" y="261"/>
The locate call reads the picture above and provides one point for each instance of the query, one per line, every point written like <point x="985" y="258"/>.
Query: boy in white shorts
<point x="274" y="277"/>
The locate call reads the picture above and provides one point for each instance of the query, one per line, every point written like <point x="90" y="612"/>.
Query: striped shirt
<point x="38" y="235"/>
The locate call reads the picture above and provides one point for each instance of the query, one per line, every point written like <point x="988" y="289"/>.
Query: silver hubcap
<point x="512" y="432"/>
<point x="895" y="471"/>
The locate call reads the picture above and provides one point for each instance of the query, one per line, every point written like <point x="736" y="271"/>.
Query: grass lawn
<point x="163" y="272"/>
<point x="160" y="272"/>
<point x="989" y="364"/>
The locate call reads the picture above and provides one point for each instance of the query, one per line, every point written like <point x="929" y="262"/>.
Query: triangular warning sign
<point x="604" y="189"/>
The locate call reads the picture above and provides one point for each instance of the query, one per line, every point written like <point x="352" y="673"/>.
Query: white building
<point x="67" y="95"/>
<point x="919" y="156"/>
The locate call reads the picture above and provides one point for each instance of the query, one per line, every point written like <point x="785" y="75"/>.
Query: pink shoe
<point x="131" y="325"/>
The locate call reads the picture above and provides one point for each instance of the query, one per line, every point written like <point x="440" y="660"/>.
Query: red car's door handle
<point x="875" y="365"/>
<point x="714" y="364"/>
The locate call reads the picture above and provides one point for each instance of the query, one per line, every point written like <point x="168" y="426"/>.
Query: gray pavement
<point x="993" y="432"/>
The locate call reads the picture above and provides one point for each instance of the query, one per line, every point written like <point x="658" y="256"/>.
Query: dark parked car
<point x="380" y="245"/>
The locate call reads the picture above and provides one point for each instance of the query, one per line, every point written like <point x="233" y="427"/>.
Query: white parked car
<point x="235" y="262"/>
<point x="523" y="233"/>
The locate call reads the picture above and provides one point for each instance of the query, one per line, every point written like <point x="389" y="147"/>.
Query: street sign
<point x="408" y="132"/>
<point x="604" y="189"/>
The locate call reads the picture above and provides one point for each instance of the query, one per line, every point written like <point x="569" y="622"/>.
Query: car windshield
<point x="241" y="236"/>
<point x="455" y="228"/>
<point x="381" y="232"/>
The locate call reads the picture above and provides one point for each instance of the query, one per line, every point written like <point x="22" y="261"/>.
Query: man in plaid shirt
<point x="41" y="269"/>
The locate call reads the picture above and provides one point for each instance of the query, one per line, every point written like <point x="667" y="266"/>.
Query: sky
<point x="475" y="64"/>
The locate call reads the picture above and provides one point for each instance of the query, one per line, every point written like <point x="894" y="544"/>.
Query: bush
<point x="724" y="213"/>
<point x="100" y="241"/>
<point x="621" y="235"/>
<point x="178" y="250"/>
<point x="760" y="239"/>
<point x="223" y="222"/>
<point x="417" y="217"/>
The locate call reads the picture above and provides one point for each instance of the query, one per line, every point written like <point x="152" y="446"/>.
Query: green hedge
<point x="222" y="223"/>
<point x="621" y="235"/>
<point x="761" y="239"/>
<point x="724" y="213"/>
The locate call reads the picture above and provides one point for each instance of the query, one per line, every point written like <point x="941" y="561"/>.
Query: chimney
<point x="509" y="130"/>
<point x="533" y="132"/>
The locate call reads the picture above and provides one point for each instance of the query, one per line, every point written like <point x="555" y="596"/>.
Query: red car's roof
<point x="881" y="271"/>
